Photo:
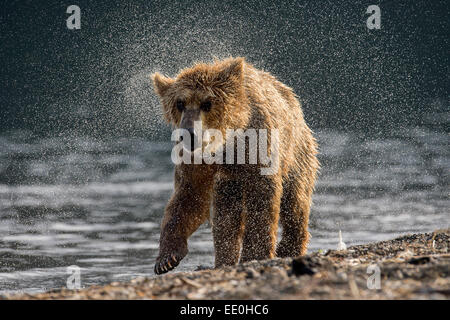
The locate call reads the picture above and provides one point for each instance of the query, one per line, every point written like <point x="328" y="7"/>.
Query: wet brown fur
<point x="246" y="205"/>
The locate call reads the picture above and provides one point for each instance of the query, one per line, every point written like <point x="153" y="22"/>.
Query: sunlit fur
<point x="221" y="83"/>
<point x="246" y="205"/>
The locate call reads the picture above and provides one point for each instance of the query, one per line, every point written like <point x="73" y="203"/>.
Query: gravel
<point x="410" y="267"/>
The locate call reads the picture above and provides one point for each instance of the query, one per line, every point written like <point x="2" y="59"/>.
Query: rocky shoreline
<point x="414" y="266"/>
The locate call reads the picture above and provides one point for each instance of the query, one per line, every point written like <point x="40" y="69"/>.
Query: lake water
<point x="97" y="204"/>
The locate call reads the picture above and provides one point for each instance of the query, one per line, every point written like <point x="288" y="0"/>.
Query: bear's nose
<point x="193" y="138"/>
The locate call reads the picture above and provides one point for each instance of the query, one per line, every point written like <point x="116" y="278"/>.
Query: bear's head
<point x="210" y="94"/>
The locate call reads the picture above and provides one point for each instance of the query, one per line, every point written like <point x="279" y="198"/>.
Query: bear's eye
<point x="206" y="106"/>
<point x="180" y="105"/>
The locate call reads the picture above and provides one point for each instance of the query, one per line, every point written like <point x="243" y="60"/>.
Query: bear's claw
<point x="166" y="264"/>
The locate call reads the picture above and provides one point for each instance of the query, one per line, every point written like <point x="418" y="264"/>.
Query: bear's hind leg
<point x="227" y="222"/>
<point x="294" y="215"/>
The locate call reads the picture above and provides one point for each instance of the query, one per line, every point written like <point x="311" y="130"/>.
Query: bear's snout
<point x="191" y="141"/>
<point x="194" y="138"/>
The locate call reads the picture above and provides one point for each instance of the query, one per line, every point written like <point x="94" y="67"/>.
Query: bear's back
<point x="268" y="95"/>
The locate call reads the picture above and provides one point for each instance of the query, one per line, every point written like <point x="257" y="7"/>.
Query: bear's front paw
<point x="168" y="261"/>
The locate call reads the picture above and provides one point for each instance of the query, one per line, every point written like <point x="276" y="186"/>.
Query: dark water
<point x="347" y="76"/>
<point x="97" y="204"/>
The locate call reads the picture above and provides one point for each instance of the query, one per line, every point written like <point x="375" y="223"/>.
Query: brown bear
<point x="246" y="204"/>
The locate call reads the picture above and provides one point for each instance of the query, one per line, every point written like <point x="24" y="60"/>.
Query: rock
<point x="203" y="267"/>
<point x="304" y="265"/>
<point x="252" y="273"/>
<point x="419" y="260"/>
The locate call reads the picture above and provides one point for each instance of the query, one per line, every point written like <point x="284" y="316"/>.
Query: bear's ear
<point x="161" y="83"/>
<point x="232" y="71"/>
